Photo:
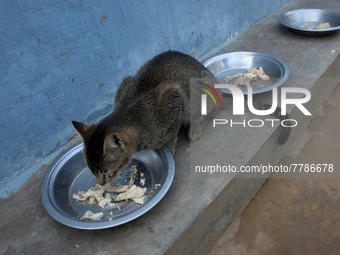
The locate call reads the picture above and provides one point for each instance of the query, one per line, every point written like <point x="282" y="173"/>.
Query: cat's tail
<point x="285" y="130"/>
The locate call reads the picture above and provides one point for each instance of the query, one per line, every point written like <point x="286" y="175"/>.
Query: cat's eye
<point x="110" y="174"/>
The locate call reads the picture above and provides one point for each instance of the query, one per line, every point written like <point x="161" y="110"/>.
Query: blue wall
<point x="63" y="60"/>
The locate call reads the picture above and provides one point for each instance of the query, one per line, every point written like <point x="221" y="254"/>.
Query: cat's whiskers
<point x="123" y="176"/>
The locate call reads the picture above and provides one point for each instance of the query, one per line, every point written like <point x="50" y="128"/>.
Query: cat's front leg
<point x="195" y="132"/>
<point x="172" y="146"/>
<point x="197" y="125"/>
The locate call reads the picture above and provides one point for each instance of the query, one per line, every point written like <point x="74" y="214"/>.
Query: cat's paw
<point x="173" y="152"/>
<point x="172" y="146"/>
<point x="194" y="133"/>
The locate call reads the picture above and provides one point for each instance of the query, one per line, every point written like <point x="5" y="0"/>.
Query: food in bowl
<point x="252" y="74"/>
<point x="88" y="215"/>
<point x="100" y="195"/>
<point x="320" y="26"/>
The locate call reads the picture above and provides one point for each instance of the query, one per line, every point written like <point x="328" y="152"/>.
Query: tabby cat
<point x="150" y="108"/>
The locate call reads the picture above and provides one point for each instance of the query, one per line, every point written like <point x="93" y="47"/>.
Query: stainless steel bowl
<point x="233" y="63"/>
<point x="68" y="174"/>
<point x="313" y="17"/>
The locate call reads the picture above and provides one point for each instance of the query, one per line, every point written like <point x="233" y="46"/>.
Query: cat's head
<point x="105" y="154"/>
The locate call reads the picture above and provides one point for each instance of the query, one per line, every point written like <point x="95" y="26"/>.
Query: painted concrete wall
<point x="63" y="60"/>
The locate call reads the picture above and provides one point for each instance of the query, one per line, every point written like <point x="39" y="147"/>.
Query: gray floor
<point x="295" y="215"/>
<point x="196" y="210"/>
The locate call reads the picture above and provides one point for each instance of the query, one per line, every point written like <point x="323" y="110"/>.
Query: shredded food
<point x="320" y="26"/>
<point x="101" y="195"/>
<point x="92" y="216"/>
<point x="252" y="74"/>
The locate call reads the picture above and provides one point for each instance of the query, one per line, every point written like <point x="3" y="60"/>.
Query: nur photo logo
<point x="204" y="97"/>
<point x="239" y="104"/>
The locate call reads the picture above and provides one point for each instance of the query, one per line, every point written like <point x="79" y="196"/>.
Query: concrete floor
<point x="189" y="221"/>
<point x="300" y="214"/>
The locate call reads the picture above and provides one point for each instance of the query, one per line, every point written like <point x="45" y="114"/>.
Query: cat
<point x="150" y="108"/>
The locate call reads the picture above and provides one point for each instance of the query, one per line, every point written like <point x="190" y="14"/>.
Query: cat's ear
<point x="83" y="129"/>
<point x="113" y="146"/>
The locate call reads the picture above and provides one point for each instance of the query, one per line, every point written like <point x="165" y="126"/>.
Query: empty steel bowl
<point x="68" y="174"/>
<point x="295" y="19"/>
